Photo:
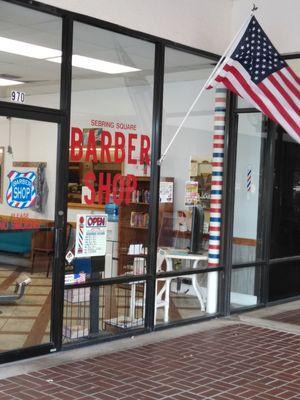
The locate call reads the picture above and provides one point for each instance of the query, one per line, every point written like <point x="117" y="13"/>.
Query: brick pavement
<point x="236" y="362"/>
<point x="290" y="317"/>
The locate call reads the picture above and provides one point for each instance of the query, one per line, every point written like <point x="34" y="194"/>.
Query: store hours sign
<point x="21" y="191"/>
<point x="91" y="233"/>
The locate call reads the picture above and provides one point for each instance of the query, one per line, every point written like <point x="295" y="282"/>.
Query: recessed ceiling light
<point x="45" y="53"/>
<point x="95" y="64"/>
<point x="9" y="82"/>
<point x="27" y="49"/>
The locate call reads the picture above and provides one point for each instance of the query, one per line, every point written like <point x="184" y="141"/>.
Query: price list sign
<point x="91" y="234"/>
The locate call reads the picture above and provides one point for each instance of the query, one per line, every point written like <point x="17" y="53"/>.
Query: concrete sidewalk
<point x="223" y="359"/>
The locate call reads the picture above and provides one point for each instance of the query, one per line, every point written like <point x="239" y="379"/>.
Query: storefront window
<point x="109" y="170"/>
<point x="247" y="226"/>
<point x="285" y="228"/>
<point x="286" y="198"/>
<point x="284" y="280"/>
<point x="185" y="190"/>
<point x="28" y="169"/>
<point x="245" y="287"/>
<point x="247" y="231"/>
<point x="30" y="56"/>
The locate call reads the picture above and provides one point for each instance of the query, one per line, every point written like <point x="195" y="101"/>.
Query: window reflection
<point x="285" y="236"/>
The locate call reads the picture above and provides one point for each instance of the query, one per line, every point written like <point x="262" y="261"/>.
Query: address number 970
<point x="17" y="97"/>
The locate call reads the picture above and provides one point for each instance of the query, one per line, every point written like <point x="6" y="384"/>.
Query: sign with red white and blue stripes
<point x="21" y="192"/>
<point x="249" y="179"/>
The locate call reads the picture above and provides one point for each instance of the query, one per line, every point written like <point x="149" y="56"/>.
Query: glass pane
<point x="180" y="298"/>
<point x="112" y="96"/>
<point x="285" y="237"/>
<point x="103" y="311"/>
<point x="185" y="185"/>
<point x="187" y="168"/>
<point x="28" y="166"/>
<point x="248" y="188"/>
<point x="245" y="287"/>
<point x="30" y="51"/>
<point x="242" y="103"/>
<point x="284" y="280"/>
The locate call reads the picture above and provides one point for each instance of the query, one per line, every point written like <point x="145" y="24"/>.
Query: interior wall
<point x="201" y="24"/>
<point x="248" y="156"/>
<point x="195" y="138"/>
<point x="31" y="141"/>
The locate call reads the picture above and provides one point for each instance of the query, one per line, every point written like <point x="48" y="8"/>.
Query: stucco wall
<point x="280" y="21"/>
<point x="203" y="24"/>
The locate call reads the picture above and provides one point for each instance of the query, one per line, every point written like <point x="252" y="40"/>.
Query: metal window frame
<point x="61" y="116"/>
<point x="260" y="264"/>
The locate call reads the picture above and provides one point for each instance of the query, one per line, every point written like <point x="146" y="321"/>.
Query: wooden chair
<point x="43" y="245"/>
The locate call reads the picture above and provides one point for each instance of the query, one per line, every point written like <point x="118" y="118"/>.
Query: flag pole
<point x="231" y="44"/>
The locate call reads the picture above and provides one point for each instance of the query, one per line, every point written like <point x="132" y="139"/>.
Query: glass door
<point x="28" y="153"/>
<point x="285" y="233"/>
<point x="246" y="277"/>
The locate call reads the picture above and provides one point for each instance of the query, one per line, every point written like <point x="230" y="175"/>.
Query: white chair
<point x="162" y="298"/>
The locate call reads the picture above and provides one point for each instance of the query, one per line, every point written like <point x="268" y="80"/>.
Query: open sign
<point x="96" y="221"/>
<point x="91" y="234"/>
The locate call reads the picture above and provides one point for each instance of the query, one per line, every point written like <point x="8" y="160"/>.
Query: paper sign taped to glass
<point x="91" y="235"/>
<point x="166" y="192"/>
<point x="191" y="193"/>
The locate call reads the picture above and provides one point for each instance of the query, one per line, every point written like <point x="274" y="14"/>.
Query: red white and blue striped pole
<point x="216" y="199"/>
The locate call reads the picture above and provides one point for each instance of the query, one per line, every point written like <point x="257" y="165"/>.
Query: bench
<point x="16" y="241"/>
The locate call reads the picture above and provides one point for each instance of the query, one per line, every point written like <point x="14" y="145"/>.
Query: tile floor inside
<point x="27" y="321"/>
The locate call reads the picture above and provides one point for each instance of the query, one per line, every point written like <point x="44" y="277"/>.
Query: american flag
<point x="255" y="71"/>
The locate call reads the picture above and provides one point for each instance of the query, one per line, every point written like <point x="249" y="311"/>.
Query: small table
<point x="177" y="254"/>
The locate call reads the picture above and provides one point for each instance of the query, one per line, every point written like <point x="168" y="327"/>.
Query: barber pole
<point x="249" y="180"/>
<point x="80" y="235"/>
<point x="217" y="179"/>
<point x="216" y="199"/>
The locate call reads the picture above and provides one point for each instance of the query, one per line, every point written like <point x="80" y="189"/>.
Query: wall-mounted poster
<point x="191" y="193"/>
<point x="21" y="191"/>
<point x="91" y="233"/>
<point x="166" y="192"/>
